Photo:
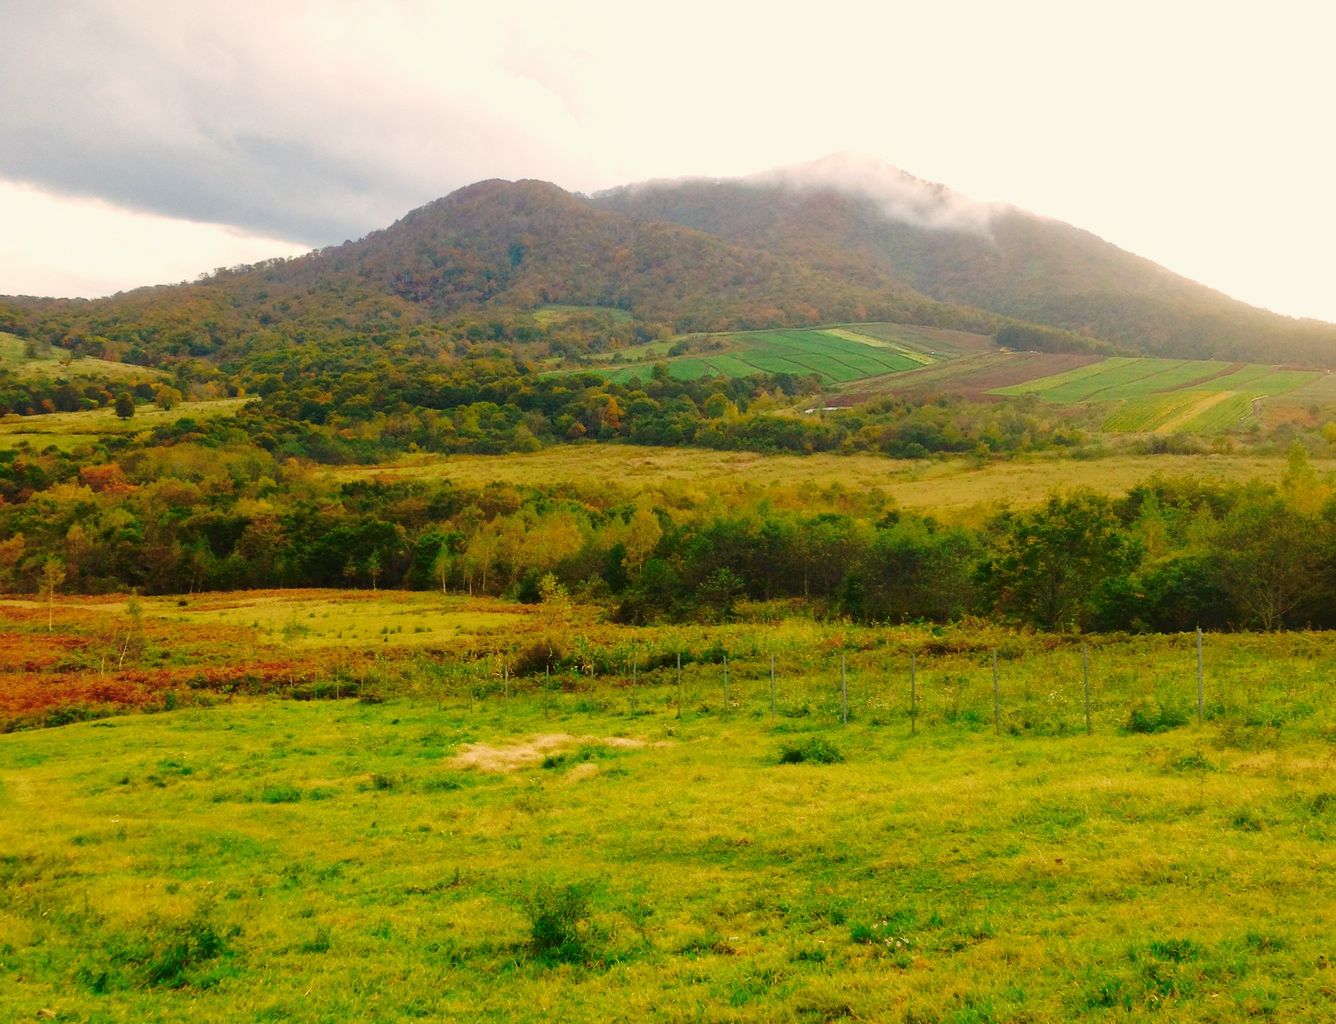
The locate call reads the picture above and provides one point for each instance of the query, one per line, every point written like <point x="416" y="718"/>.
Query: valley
<point x="706" y="600"/>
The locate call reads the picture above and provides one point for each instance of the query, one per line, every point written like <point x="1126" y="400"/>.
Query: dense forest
<point x="212" y="507"/>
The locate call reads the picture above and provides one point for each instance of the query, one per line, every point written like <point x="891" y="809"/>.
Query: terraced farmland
<point x="840" y="354"/>
<point x="1166" y="395"/>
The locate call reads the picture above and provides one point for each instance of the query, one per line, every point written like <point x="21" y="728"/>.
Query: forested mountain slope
<point x="861" y="222"/>
<point x="490" y="249"/>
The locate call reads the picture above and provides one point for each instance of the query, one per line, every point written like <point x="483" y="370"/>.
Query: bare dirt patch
<point x="533" y="751"/>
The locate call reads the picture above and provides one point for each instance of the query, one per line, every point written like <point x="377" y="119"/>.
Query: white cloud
<point x="1192" y="133"/>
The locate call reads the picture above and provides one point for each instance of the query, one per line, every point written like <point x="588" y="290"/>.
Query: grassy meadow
<point x="539" y="821"/>
<point x="52" y="363"/>
<point x="957" y="488"/>
<point x="69" y="430"/>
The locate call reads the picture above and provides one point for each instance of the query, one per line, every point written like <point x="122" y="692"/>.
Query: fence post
<point x="997" y="728"/>
<point x="1200" y="692"/>
<point x="679" y="686"/>
<point x="772" y="682"/>
<point x="1085" y="671"/>
<point x="635" y="675"/>
<point x="913" y="694"/>
<point x="844" y="693"/>
<point x="505" y="680"/>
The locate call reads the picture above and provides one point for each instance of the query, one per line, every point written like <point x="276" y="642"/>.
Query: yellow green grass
<point x="914" y="355"/>
<point x="951" y="487"/>
<point x="340" y="860"/>
<point x="50" y="364"/>
<point x="1167" y="395"/>
<point x="323" y="618"/>
<point x="69" y="430"/>
<point x="556" y="313"/>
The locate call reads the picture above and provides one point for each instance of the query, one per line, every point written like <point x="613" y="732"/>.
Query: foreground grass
<point x="273" y="860"/>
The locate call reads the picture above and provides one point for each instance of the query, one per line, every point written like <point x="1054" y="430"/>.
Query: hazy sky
<point x="144" y="141"/>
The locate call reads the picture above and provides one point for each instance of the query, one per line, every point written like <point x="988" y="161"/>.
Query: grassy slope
<point x="70" y="429"/>
<point x="352" y="870"/>
<point x="13" y="359"/>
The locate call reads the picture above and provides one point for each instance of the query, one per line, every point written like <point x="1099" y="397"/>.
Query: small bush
<point x="1194" y="762"/>
<point x="546" y="655"/>
<point x="168" y="954"/>
<point x="559" y="918"/>
<point x="814" y="751"/>
<point x="1150" y="716"/>
<point x="282" y="793"/>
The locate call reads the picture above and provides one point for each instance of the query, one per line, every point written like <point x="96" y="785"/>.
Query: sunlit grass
<point x="951" y="487"/>
<point x="979" y="859"/>
<point x="355" y="868"/>
<point x="68" y="430"/>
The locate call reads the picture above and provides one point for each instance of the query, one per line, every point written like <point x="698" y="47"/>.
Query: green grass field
<point x="69" y="430"/>
<point x="1167" y="395"/>
<point x="456" y="847"/>
<point x="840" y="354"/>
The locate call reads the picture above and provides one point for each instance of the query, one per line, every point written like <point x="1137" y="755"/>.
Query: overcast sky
<point x="145" y="141"/>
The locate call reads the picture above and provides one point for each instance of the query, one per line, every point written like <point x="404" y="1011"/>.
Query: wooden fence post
<point x="679" y="686"/>
<point x="844" y="693"/>
<point x="997" y="727"/>
<point x="1201" y="696"/>
<point x="913" y="694"/>
<point x="772" y="682"/>
<point x="1085" y="673"/>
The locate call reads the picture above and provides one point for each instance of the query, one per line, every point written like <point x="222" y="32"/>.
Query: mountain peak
<point x="902" y="197"/>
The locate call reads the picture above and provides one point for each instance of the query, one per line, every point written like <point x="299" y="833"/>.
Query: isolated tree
<point x="132" y="649"/>
<point x="53" y="575"/>
<point x="443" y="563"/>
<point x="125" y="405"/>
<point x="643" y="533"/>
<point x="166" y="396"/>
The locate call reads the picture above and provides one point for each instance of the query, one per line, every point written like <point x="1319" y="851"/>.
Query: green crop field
<point x="1166" y="395"/>
<point x="838" y="355"/>
<point x="594" y="844"/>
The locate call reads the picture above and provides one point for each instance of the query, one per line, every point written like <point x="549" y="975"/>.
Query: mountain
<point x="857" y="219"/>
<point x="840" y="240"/>
<point x="490" y="249"/>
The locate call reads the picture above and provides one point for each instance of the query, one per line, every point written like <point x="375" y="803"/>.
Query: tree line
<point x="1170" y="555"/>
